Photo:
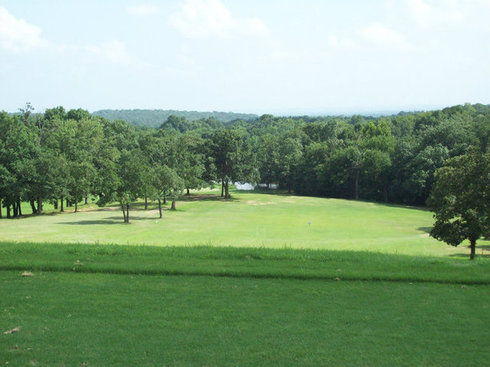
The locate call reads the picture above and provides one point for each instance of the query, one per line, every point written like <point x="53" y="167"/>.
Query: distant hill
<point x="154" y="118"/>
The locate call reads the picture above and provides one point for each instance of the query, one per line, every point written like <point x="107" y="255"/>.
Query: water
<point x="247" y="186"/>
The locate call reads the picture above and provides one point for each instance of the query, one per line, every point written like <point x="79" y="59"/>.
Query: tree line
<point x="154" y="118"/>
<point x="65" y="156"/>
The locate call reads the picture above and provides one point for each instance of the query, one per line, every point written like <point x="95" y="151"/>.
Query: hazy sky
<point x="273" y="56"/>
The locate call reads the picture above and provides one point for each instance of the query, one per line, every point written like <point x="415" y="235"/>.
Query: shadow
<point x="109" y="220"/>
<point x="425" y="229"/>
<point x="482" y="251"/>
<point x="91" y="222"/>
<point x="467" y="255"/>
<point x="204" y="197"/>
<point x="131" y="218"/>
<point x="266" y="192"/>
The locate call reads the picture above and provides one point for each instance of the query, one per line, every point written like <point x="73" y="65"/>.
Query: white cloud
<point x="114" y="52"/>
<point x="428" y="13"/>
<point x="142" y="10"/>
<point x="210" y="18"/>
<point x="382" y="35"/>
<point x="341" y="43"/>
<point x="16" y="35"/>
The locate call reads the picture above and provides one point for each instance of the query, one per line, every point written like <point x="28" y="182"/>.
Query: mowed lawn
<point x="64" y="303"/>
<point x="77" y="319"/>
<point x="248" y="220"/>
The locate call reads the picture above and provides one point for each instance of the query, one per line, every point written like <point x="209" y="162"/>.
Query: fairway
<point x="248" y="220"/>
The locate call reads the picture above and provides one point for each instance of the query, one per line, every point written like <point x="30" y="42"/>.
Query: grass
<point x="250" y="220"/>
<point x="77" y="319"/>
<point x="267" y="280"/>
<point x="242" y="262"/>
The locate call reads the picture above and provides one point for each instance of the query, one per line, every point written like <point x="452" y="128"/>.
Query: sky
<point x="274" y="56"/>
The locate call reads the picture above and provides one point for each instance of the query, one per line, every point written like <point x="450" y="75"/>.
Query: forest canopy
<point x="68" y="155"/>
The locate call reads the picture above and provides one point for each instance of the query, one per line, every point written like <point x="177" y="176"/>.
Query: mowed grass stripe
<point x="241" y="262"/>
<point x="99" y="320"/>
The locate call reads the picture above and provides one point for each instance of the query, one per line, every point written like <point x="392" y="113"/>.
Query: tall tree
<point x="460" y="200"/>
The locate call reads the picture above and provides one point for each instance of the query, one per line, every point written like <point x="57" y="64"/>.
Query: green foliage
<point x="461" y="200"/>
<point x="390" y="158"/>
<point x="232" y="158"/>
<point x="155" y="118"/>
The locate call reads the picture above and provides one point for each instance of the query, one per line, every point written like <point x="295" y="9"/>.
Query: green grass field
<point x="69" y="319"/>
<point x="270" y="280"/>
<point x="96" y="305"/>
<point x="249" y="220"/>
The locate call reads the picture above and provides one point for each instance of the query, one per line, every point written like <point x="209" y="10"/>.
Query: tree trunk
<point x="472" y="247"/>
<point x="356" y="184"/>
<point x="86" y="200"/>
<point x="160" y="207"/>
<point x="124" y="212"/>
<point x="14" y="209"/>
<point x="164" y="198"/>
<point x="146" y="202"/>
<point x="173" y="204"/>
<point x="222" y="187"/>
<point x="8" y="210"/>
<point x="19" y="206"/>
<point x="188" y="192"/>
<point x="33" y="206"/>
<point x="39" y="205"/>
<point x="67" y="203"/>
<point x="127" y="213"/>
<point x="227" y="190"/>
<point x="61" y="205"/>
<point x="76" y="206"/>
<point x="55" y="204"/>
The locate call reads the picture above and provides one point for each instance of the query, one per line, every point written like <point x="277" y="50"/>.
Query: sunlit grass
<point x="248" y="220"/>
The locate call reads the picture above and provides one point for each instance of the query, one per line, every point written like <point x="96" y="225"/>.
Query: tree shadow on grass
<point x="276" y="192"/>
<point x="110" y="220"/>
<point x="91" y="222"/>
<point x="134" y="217"/>
<point x="478" y="254"/>
<point x="205" y="197"/>
<point x="425" y="229"/>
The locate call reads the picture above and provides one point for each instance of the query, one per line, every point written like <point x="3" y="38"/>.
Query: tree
<point x="232" y="158"/>
<point x="131" y="173"/>
<point x="291" y="151"/>
<point x="268" y="158"/>
<point x="81" y="176"/>
<point x="166" y="182"/>
<point x="460" y="200"/>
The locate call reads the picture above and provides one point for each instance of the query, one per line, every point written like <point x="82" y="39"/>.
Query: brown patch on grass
<point x="12" y="331"/>
<point x="27" y="274"/>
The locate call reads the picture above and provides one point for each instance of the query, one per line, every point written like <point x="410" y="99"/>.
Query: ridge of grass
<point x="241" y="263"/>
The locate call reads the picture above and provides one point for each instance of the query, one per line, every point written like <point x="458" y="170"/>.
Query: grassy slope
<point x="101" y="319"/>
<point x="95" y="304"/>
<point x="242" y="262"/>
<point x="251" y="220"/>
